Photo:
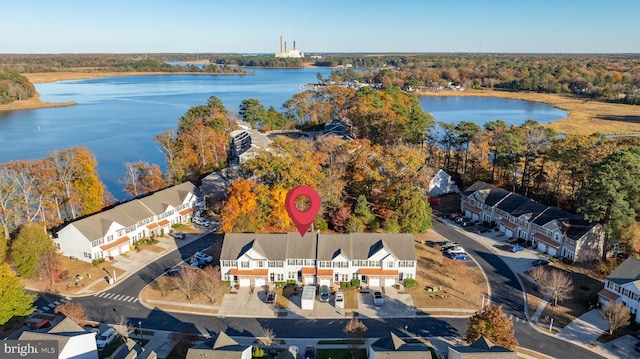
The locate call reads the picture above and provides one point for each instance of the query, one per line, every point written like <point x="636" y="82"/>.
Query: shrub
<point x="257" y="352"/>
<point x="345" y="284"/>
<point x="355" y="282"/>
<point x="280" y="284"/>
<point x="321" y="224"/>
<point x="227" y="283"/>
<point x="97" y="261"/>
<point x="291" y="281"/>
<point x="410" y="283"/>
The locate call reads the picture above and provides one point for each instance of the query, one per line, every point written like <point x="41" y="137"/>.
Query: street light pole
<point x="140" y="329"/>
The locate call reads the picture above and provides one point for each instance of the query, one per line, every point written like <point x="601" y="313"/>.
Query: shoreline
<point x="584" y="116"/>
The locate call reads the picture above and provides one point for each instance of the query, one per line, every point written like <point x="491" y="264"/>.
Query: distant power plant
<point x="295" y="53"/>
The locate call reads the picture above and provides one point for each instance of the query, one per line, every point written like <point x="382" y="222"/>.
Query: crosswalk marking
<point x="115" y="296"/>
<point x="110" y="295"/>
<point x="130" y="299"/>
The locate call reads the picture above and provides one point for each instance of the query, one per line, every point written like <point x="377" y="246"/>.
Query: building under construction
<point x="294" y="53"/>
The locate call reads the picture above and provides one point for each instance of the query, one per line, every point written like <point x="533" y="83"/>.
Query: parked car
<point x="271" y="297"/>
<point x="324" y="293"/>
<point x="106" y="338"/>
<point x="454" y="250"/>
<point x="339" y="300"/>
<point x="197" y="262"/>
<point x="453" y="216"/>
<point x="201" y="221"/>
<point x="95" y="331"/>
<point x="178" y="235"/>
<point x="377" y="298"/>
<point x="481" y="229"/>
<point x="462" y="219"/>
<point x="171" y="272"/>
<point x="467" y="223"/>
<point x="540" y="262"/>
<point x="459" y="256"/>
<point x="637" y="346"/>
<point x="516" y="248"/>
<point x="200" y="255"/>
<point x="448" y="246"/>
<point x="310" y="352"/>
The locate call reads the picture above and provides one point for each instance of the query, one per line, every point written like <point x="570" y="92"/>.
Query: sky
<point x="373" y="26"/>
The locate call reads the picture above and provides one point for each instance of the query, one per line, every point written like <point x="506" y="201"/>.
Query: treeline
<point x="14" y="86"/>
<point x="259" y="61"/>
<point x="605" y="77"/>
<point x="107" y="63"/>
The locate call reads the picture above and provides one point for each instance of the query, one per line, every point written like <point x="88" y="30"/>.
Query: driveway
<point x="244" y="304"/>
<point x="585" y="329"/>
<point x="396" y="305"/>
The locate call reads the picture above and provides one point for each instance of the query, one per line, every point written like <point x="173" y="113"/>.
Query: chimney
<point x="281" y="44"/>
<point x="294" y="45"/>
<point x="285" y="46"/>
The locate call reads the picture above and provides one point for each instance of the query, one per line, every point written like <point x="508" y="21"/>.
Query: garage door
<point x="552" y="251"/>
<point x="374" y="282"/>
<point x="475" y="217"/>
<point x="326" y="282"/>
<point x="542" y="247"/>
<point x="260" y="282"/>
<point x="502" y="228"/>
<point x="309" y="280"/>
<point x="245" y="282"/>
<point x="389" y="282"/>
<point x="508" y="233"/>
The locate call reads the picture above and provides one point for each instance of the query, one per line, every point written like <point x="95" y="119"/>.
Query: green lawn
<point x="340" y="354"/>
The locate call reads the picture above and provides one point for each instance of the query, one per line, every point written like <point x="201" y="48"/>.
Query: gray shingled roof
<point x="489" y="193"/>
<point x="628" y="271"/>
<point x="66" y="325"/>
<point x="61" y="339"/>
<point x="394" y="347"/>
<point x="129" y="213"/>
<point x="281" y="246"/>
<point x="529" y="210"/>
<point x="222" y="347"/>
<point x="552" y="214"/>
<point x="511" y="202"/>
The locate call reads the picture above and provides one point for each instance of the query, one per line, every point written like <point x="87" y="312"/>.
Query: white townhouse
<point x="113" y="231"/>
<point x="623" y="286"/>
<point x="376" y="259"/>
<point x="551" y="230"/>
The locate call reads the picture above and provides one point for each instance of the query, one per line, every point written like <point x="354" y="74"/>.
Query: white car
<point x="203" y="256"/>
<point x="339" y="300"/>
<point x="201" y="221"/>
<point x="377" y="298"/>
<point x="106" y="338"/>
<point x="455" y="250"/>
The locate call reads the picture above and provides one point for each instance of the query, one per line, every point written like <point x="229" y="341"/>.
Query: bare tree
<point x="357" y="332"/>
<point x="49" y="267"/>
<point x="74" y="311"/>
<point x="268" y="336"/>
<point x="210" y="282"/>
<point x="187" y="282"/>
<point x="617" y="315"/>
<point x="123" y="327"/>
<point x="163" y="285"/>
<point x="183" y="339"/>
<point x="557" y="285"/>
<point x="539" y="274"/>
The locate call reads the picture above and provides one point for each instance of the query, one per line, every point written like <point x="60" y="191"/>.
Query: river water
<point x="117" y="117"/>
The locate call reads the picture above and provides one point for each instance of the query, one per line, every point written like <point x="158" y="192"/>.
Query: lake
<point x="117" y="117"/>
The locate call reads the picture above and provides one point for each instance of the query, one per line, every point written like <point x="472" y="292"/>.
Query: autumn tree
<point x="4" y="245"/>
<point x="492" y="323"/>
<point x="74" y="311"/>
<point x="239" y="211"/>
<point x="28" y="248"/>
<point x="49" y="267"/>
<point x="141" y="178"/>
<point x="617" y="315"/>
<point x="182" y="340"/>
<point x="210" y="282"/>
<point x="14" y="302"/>
<point x="163" y="285"/>
<point x="86" y="182"/>
<point x="170" y="148"/>
<point x="278" y="216"/>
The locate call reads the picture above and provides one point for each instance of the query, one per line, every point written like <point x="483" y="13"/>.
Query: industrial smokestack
<point x="281" y="44"/>
<point x="294" y="45"/>
<point x="285" y="46"/>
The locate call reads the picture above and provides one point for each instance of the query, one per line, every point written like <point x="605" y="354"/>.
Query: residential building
<point x="339" y="127"/>
<point x="441" y="183"/>
<point x="376" y="259"/>
<point x="113" y="231"/>
<point x="132" y="350"/>
<point x="220" y="347"/>
<point x="550" y="230"/>
<point x="73" y="341"/>
<point x="392" y="347"/>
<point x="482" y="348"/>
<point x="623" y="286"/>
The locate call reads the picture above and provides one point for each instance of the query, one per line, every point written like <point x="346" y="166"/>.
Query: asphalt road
<point x="505" y="290"/>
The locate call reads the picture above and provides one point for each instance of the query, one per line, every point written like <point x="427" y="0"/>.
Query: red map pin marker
<point x="302" y="219"/>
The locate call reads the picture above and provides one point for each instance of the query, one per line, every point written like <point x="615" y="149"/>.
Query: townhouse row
<point x="112" y="232"/>
<point x="551" y="230"/>
<point x="376" y="259"/>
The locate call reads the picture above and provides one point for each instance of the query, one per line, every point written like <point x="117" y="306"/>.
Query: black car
<point x="637" y="346"/>
<point x="540" y="262"/>
<point x="171" y="272"/>
<point x="310" y="352"/>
